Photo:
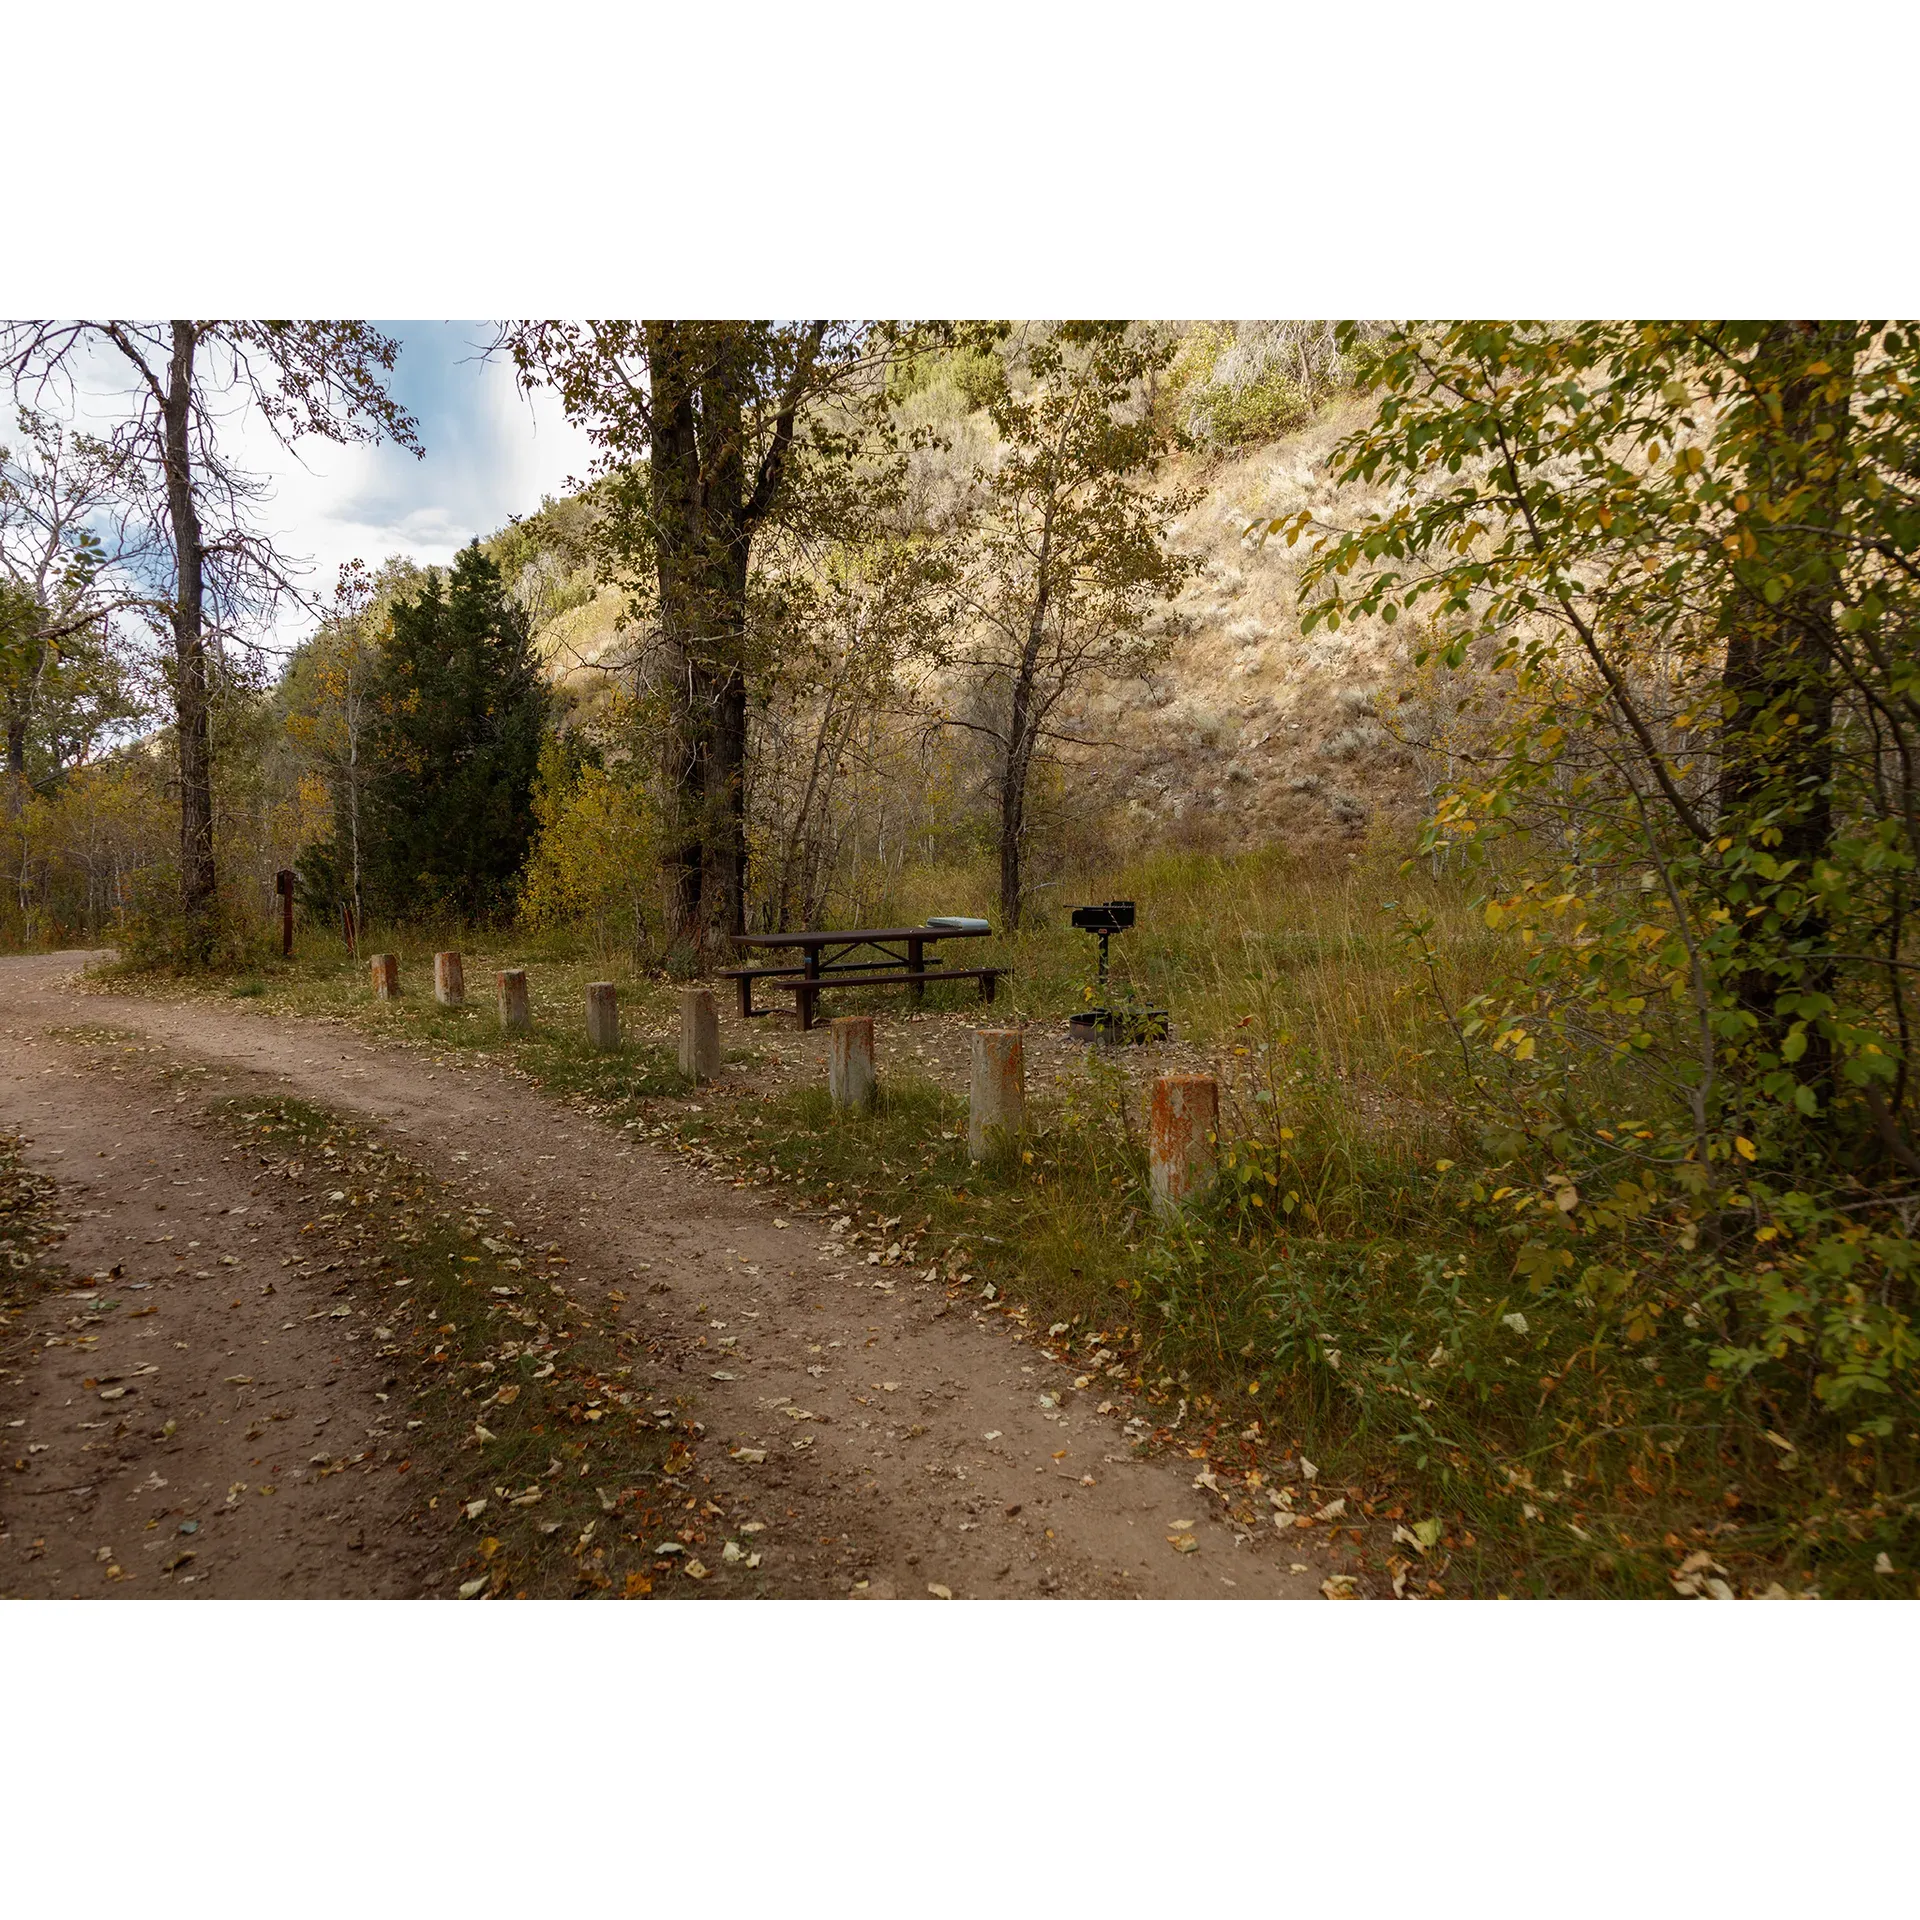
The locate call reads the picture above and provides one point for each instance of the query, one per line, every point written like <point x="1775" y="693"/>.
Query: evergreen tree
<point x="456" y="743"/>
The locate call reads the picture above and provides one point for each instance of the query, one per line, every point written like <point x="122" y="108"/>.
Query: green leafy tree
<point x="460" y="705"/>
<point x="1066" y="555"/>
<point x="713" y="434"/>
<point x="69" y="565"/>
<point x="217" y="576"/>
<point x="1686" y="552"/>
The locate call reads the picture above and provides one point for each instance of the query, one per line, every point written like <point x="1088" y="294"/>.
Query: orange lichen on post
<point x="385" y="969"/>
<point x="449" y="980"/>
<point x="510" y="989"/>
<point x="997" y="1098"/>
<point x="850" y="1076"/>
<point x="1183" y="1131"/>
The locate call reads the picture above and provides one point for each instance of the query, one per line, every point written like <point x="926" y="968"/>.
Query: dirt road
<point x="907" y="1442"/>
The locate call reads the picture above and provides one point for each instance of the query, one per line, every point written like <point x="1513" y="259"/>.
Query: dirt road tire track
<point x="870" y="1394"/>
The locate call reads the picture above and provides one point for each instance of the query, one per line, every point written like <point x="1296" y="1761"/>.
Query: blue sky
<point x="489" y="454"/>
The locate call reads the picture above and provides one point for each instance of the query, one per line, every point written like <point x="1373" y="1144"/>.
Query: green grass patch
<point x="1343" y="1301"/>
<point x="535" y="1444"/>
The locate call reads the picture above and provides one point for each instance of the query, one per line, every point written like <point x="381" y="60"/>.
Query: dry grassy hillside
<point x="1250" y="734"/>
<point x="1247" y="733"/>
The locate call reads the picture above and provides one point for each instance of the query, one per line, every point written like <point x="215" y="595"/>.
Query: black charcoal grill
<point x="1105" y="1025"/>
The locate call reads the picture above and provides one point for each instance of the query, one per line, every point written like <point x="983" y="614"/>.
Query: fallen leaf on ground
<point x="939" y="1592"/>
<point x="695" y="1571"/>
<point x="470" y="1589"/>
<point x="1183" y="1543"/>
<point x="1339" y="1586"/>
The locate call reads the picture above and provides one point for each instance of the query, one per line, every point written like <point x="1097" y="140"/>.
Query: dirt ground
<point x="188" y="1423"/>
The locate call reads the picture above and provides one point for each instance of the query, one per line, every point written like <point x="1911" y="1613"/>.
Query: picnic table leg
<point x="987" y="983"/>
<point x="917" y="992"/>
<point x="808" y="995"/>
<point x="745" y="984"/>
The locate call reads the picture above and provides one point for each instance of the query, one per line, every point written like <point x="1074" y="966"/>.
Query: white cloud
<point x="490" y="453"/>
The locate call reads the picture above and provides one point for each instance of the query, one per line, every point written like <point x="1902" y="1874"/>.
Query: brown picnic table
<point x="854" y="957"/>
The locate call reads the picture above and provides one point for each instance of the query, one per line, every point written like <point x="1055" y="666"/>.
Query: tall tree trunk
<point x="1777" y="683"/>
<point x="697" y="495"/>
<point x="1021" y="734"/>
<point x="16" y="758"/>
<point x="1013" y="806"/>
<point x="191" y="692"/>
<point x="20" y="708"/>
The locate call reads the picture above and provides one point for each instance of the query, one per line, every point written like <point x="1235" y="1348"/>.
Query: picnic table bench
<point x="856" y="957"/>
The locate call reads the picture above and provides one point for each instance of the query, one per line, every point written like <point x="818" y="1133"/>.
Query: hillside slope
<point x="1247" y="733"/>
<point x="1251" y="733"/>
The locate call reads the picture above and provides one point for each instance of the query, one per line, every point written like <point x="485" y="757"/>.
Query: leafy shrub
<point x="596" y="856"/>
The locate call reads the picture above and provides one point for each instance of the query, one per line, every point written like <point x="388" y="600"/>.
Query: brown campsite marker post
<point x="997" y="1098"/>
<point x="1184" y="1125"/>
<point x="603" y="1015"/>
<point x="449" y="980"/>
<point x="699" y="1035"/>
<point x="510" y="989"/>
<point x="385" y="969"/>
<point x="850" y="1078"/>
<point x="283" y="886"/>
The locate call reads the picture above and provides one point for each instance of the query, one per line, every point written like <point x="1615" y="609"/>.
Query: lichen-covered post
<point x="385" y="969"/>
<point x="449" y="980"/>
<point x="1184" y="1126"/>
<point x="997" y="1098"/>
<point x="603" y="1015"/>
<point x="699" y="1035"/>
<point x="850" y="1064"/>
<point x="510" y="989"/>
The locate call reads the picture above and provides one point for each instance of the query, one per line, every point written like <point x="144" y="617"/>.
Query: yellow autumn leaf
<point x="1743" y="1146"/>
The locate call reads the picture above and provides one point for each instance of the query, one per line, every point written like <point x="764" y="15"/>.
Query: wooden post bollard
<point x="850" y="1064"/>
<point x="449" y="980"/>
<point x="699" y="1035"/>
<point x="283" y="886"/>
<point x="603" y="1015"/>
<point x="510" y="987"/>
<point x="385" y="969"/>
<point x="1183" y="1127"/>
<point x="997" y="1098"/>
